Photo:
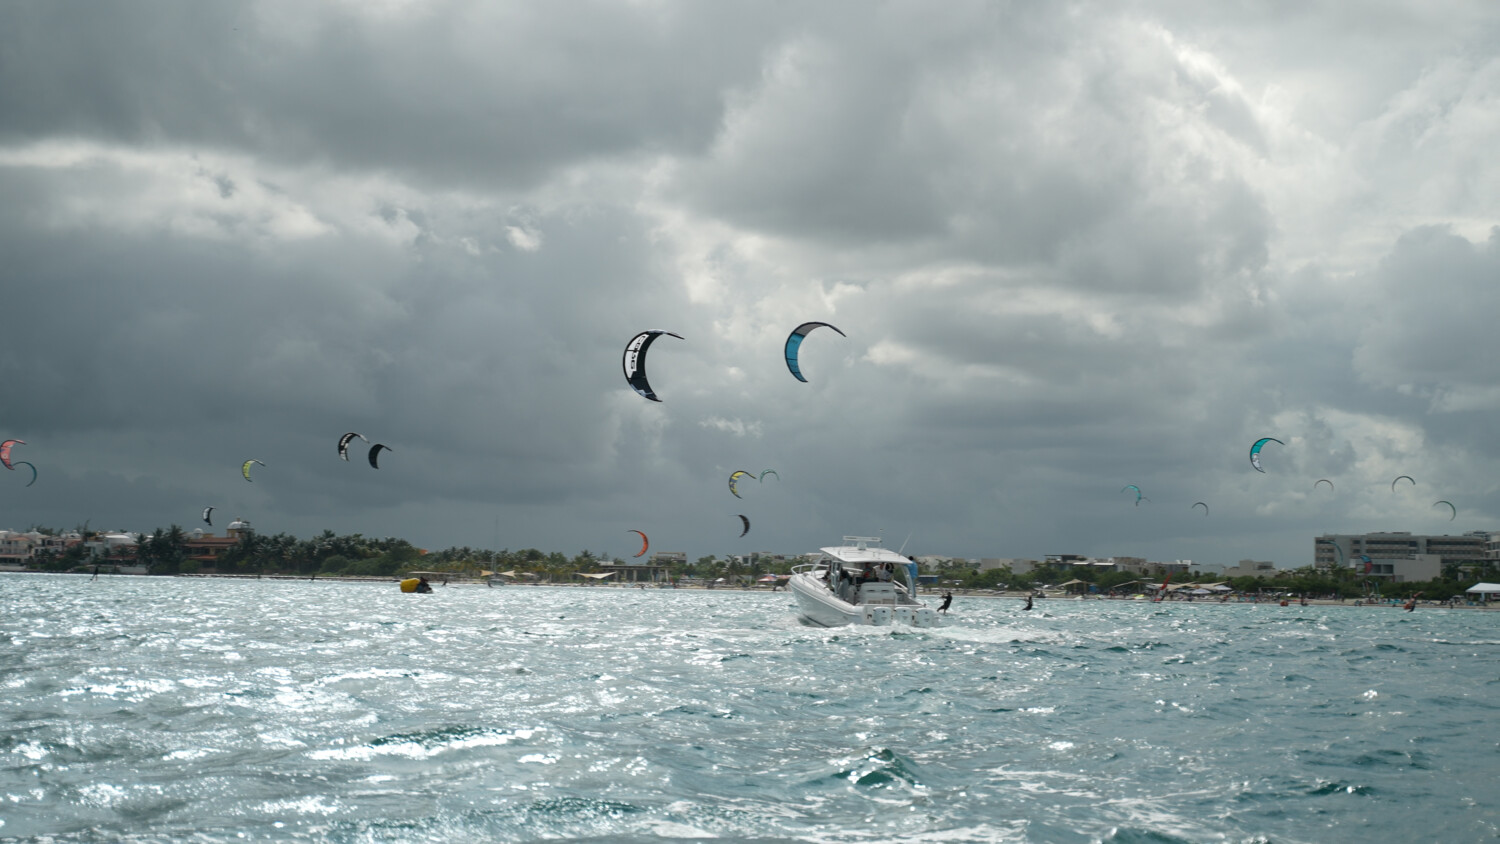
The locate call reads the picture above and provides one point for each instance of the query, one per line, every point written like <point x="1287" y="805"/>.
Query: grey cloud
<point x="450" y="92"/>
<point x="998" y="151"/>
<point x="1432" y="299"/>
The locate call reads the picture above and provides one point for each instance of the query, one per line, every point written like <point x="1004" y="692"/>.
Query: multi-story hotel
<point x="1399" y="556"/>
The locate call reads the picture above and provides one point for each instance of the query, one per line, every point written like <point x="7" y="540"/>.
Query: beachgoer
<point x="423" y="585"/>
<point x="947" y="602"/>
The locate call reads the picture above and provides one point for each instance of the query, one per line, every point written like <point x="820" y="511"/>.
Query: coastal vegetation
<point x="167" y="551"/>
<point x="1336" y="583"/>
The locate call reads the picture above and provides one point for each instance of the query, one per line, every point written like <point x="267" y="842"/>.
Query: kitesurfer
<point x="1028" y="602"/>
<point x="947" y="602"/>
<point x="423" y="585"/>
<point x="96" y="575"/>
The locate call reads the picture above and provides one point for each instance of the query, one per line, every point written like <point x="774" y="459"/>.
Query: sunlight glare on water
<point x="152" y="709"/>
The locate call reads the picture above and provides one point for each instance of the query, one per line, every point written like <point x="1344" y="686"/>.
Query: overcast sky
<point x="1073" y="246"/>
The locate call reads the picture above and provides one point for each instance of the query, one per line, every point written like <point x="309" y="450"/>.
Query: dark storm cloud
<point x="450" y="92"/>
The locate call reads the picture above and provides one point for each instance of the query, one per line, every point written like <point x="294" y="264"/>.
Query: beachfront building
<point x="935" y="562"/>
<point x="16" y="547"/>
<point x="641" y="571"/>
<point x="1014" y="565"/>
<point x="1141" y="565"/>
<point x="1399" y="556"/>
<point x="116" y="546"/>
<point x="1251" y="568"/>
<point x="1079" y="562"/>
<point x="205" y="548"/>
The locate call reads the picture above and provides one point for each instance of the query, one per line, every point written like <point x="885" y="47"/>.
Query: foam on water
<point x="149" y="709"/>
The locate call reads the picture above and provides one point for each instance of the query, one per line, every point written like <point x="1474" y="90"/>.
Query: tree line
<point x="165" y="551"/>
<point x="1308" y="581"/>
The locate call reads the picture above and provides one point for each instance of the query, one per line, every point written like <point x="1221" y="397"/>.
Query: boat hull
<point x="817" y="605"/>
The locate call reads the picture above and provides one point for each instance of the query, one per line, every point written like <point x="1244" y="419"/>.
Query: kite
<point x="1255" y="451"/>
<point x="1322" y="481"/>
<point x="245" y="469"/>
<point x="769" y="472"/>
<point x="345" y="440"/>
<point x="5" y="451"/>
<point x="1137" y="493"/>
<point x="734" y="480"/>
<point x="33" y="471"/>
<point x="375" y="452"/>
<point x="1399" y="477"/>
<point x="1201" y="504"/>
<point x="1434" y="504"/>
<point x="794" y="342"/>
<point x="746" y="520"/>
<point x="645" y="543"/>
<point x="634" y="361"/>
<point x="208" y="511"/>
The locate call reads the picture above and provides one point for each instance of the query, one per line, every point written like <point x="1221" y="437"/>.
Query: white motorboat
<point x="858" y="583"/>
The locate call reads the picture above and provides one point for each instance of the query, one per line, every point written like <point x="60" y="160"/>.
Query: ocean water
<point x="155" y="709"/>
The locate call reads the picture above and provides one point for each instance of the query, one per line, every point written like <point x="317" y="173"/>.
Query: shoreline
<point x="930" y="593"/>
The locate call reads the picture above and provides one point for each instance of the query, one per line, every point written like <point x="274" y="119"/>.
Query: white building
<point x="17" y="547"/>
<point x="1014" y="565"/>
<point x="117" y="544"/>
<point x="1348" y="550"/>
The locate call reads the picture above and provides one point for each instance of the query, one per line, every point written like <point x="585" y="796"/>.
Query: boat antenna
<point x="903" y="543"/>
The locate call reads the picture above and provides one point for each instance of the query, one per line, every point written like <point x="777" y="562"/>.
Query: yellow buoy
<point x="410" y="584"/>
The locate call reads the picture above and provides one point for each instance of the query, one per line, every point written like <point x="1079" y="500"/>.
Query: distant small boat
<point x="834" y="589"/>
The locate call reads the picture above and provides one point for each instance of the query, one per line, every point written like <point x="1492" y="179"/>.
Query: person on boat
<point x="423" y="585"/>
<point x="868" y="574"/>
<point x="947" y="602"/>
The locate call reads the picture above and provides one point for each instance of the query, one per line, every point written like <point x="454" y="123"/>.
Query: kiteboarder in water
<point x="1028" y="603"/>
<point x="947" y="602"/>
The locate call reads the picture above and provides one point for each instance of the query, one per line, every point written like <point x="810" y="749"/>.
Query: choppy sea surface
<point x="177" y="709"/>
